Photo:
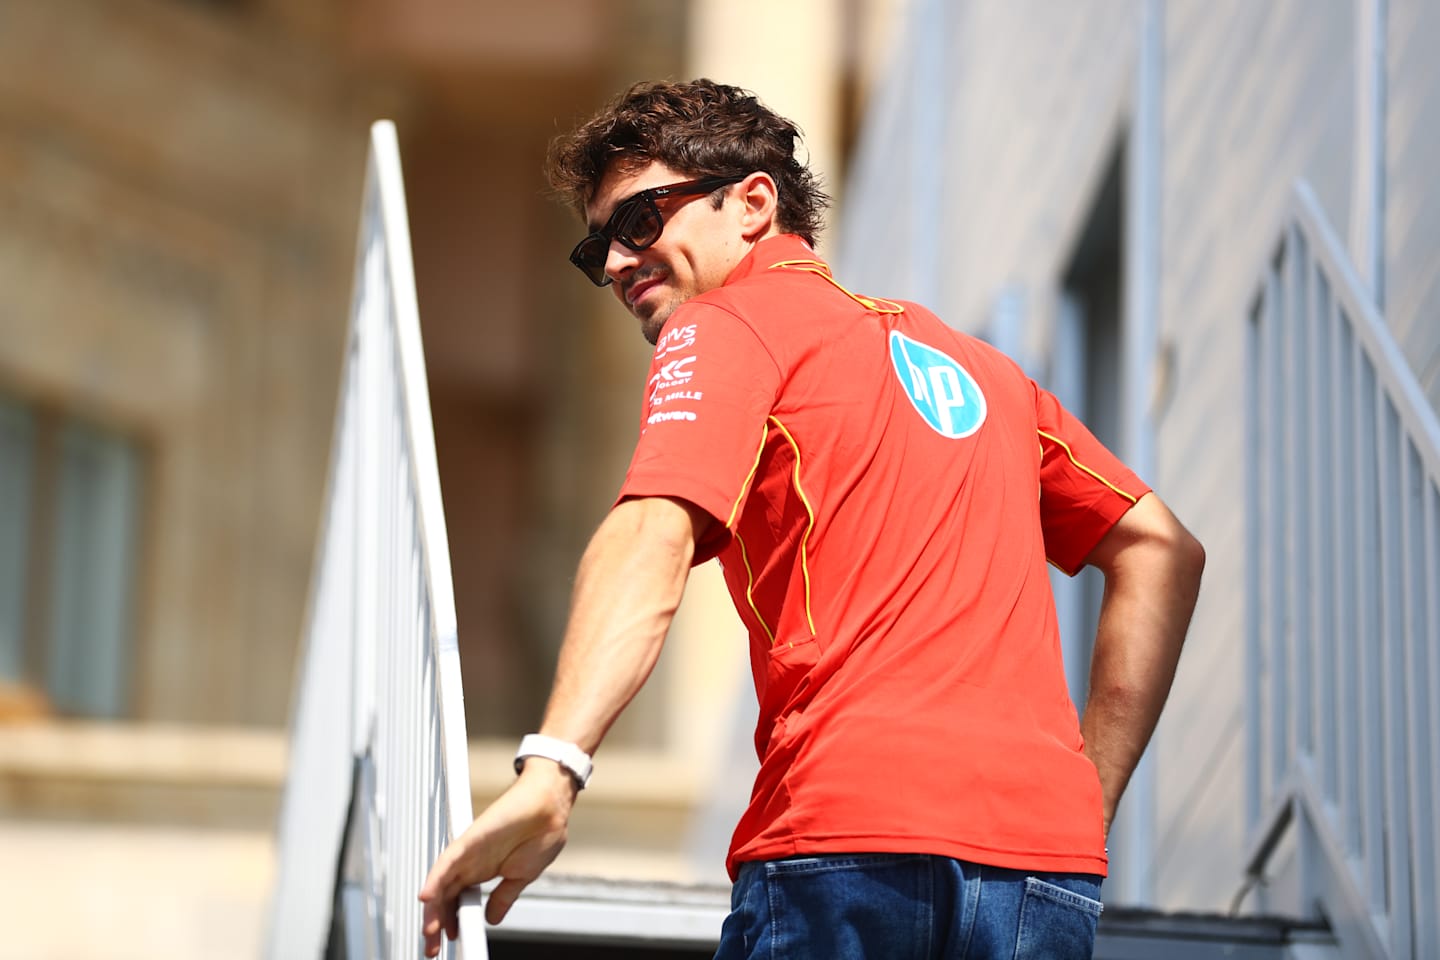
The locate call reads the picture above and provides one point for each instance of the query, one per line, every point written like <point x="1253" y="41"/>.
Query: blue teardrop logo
<point x="942" y="391"/>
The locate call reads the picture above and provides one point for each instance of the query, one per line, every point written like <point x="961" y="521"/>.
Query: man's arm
<point x="629" y="585"/>
<point x="1152" y="569"/>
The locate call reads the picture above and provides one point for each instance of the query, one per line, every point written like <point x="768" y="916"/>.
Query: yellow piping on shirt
<point x="1069" y="453"/>
<point x="805" y="538"/>
<point x="819" y="268"/>
<point x="750" y="588"/>
<point x="744" y="557"/>
<point x="764" y="436"/>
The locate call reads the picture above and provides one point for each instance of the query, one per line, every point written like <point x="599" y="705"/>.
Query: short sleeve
<point x="711" y="388"/>
<point x="1084" y="488"/>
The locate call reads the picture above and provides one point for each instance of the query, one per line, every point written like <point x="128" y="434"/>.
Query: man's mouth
<point x="637" y="288"/>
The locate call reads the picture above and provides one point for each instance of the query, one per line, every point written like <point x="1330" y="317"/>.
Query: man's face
<point x="697" y="249"/>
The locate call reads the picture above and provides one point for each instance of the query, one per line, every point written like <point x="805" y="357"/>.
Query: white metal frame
<point x="379" y="771"/>
<point x="1343" y="629"/>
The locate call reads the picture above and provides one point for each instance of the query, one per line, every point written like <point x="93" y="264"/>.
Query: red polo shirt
<point x="887" y="491"/>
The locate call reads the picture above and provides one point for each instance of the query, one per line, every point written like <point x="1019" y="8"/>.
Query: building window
<point x="69" y="542"/>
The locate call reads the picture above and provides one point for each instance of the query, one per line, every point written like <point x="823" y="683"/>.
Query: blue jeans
<point x="907" y="907"/>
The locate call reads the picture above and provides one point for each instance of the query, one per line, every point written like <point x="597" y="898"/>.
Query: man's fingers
<point x="502" y="898"/>
<point x="435" y="918"/>
<point x="449" y="876"/>
<point x="439" y="879"/>
<point x="433" y="938"/>
<point x="433" y="888"/>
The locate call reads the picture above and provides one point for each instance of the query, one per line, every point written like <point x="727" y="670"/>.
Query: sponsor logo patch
<point x="942" y="391"/>
<point x="668" y="415"/>
<point x="681" y="338"/>
<point x="673" y="373"/>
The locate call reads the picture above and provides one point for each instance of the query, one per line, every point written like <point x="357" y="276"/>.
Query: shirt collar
<point x="771" y="251"/>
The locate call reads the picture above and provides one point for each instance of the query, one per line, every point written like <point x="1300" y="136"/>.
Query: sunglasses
<point x="636" y="223"/>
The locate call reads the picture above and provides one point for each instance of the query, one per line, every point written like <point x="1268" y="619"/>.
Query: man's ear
<point x="759" y="200"/>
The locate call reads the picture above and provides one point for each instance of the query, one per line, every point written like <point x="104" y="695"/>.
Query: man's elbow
<point x="1185" y="552"/>
<point x="664" y="526"/>
<point x="1148" y="540"/>
<point x="1169" y="565"/>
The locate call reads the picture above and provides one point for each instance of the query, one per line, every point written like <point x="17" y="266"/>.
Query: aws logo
<point x="943" y="392"/>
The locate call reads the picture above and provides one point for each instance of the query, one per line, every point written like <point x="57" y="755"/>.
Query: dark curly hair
<point x="700" y="128"/>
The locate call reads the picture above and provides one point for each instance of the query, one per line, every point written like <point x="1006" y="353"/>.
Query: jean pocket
<point x="850" y="907"/>
<point x="1058" y="922"/>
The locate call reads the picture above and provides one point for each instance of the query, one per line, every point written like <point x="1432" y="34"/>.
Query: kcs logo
<point x="674" y="372"/>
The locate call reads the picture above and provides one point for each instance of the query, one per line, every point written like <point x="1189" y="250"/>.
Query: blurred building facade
<point x="179" y="189"/>
<point x="1108" y="191"/>
<point x="179" y="194"/>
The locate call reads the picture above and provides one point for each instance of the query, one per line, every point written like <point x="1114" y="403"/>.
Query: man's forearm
<point x="626" y="592"/>
<point x="1152" y="579"/>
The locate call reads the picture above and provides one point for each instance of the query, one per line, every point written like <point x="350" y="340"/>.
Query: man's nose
<point x="620" y="260"/>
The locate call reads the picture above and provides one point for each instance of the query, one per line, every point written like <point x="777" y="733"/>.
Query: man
<point x="882" y="493"/>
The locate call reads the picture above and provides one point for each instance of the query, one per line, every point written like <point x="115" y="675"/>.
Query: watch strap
<point x="571" y="758"/>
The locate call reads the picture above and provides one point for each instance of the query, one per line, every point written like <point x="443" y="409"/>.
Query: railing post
<point x="1297" y="503"/>
<point x="1392" y="633"/>
<point x="1345" y="573"/>
<point x="1325" y="728"/>
<point x="1276" y="580"/>
<point x="1431" y="697"/>
<point x="1367" y="588"/>
<point x="382" y="640"/>
<point x="1255" y="435"/>
<point x="1431" y="639"/>
<point x="366" y="465"/>
<point x="1418" y="722"/>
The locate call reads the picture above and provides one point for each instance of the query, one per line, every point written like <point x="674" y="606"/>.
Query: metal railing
<point x="1343" y="630"/>
<point x="379" y="775"/>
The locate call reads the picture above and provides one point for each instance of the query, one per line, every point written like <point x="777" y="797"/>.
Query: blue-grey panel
<point x="1412" y="210"/>
<point x="17" y="469"/>
<point x="93" y="577"/>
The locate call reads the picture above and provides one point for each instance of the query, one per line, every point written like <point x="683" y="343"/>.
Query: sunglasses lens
<point x="635" y="223"/>
<point x="639" y="226"/>
<point x="590" y="256"/>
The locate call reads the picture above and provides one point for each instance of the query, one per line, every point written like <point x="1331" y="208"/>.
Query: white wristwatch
<point x="571" y="758"/>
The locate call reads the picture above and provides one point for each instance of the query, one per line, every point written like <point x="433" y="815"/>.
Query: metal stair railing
<point x="378" y="775"/>
<point x="1342" y="625"/>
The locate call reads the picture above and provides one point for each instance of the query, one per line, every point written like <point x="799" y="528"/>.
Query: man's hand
<point x="515" y="838"/>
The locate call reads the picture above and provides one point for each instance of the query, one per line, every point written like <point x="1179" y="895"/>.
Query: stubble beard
<point x="652" y="323"/>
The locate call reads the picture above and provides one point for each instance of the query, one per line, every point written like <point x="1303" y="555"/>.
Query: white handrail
<point x="1343" y="629"/>
<point x="379" y="772"/>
